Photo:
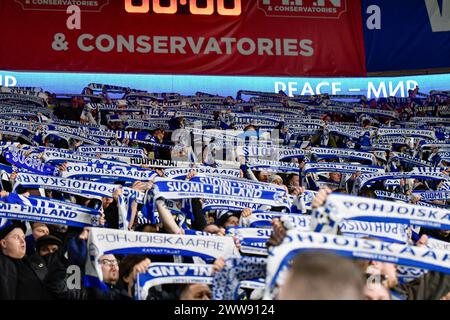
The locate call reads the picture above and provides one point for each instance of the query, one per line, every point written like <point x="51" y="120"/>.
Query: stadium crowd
<point x="121" y="194"/>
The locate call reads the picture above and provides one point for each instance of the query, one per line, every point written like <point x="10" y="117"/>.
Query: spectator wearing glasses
<point x="110" y="269"/>
<point x="117" y="284"/>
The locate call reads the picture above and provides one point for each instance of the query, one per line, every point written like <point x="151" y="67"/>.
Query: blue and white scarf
<point x="390" y="232"/>
<point x="327" y="108"/>
<point x="377" y="112"/>
<point x="194" y="115"/>
<point x="82" y="188"/>
<point x="118" y="134"/>
<point x="252" y="240"/>
<point x="50" y="212"/>
<point x="430" y="120"/>
<point x="240" y="93"/>
<point x="340" y="167"/>
<point x="391" y="183"/>
<point x="218" y="135"/>
<point x="367" y="178"/>
<point x="107" y="173"/>
<point x="264" y="220"/>
<point x="433" y="243"/>
<point x="409" y="159"/>
<point x="225" y="204"/>
<point x="384" y="231"/>
<point x="290" y="121"/>
<point x="389" y="140"/>
<point x="444" y="156"/>
<point x="273" y="166"/>
<point x="109" y="241"/>
<point x="73" y="123"/>
<point x="407" y="274"/>
<point x="302" y="203"/>
<point x="79" y="136"/>
<point x="149" y="142"/>
<point x="171" y="273"/>
<point x="146" y="125"/>
<point x="219" y="188"/>
<point x="30" y="164"/>
<point x="435" y="143"/>
<point x="110" y="88"/>
<point x="29" y="91"/>
<point x="327" y="153"/>
<point x="244" y="121"/>
<point x="296" y="242"/>
<point x="227" y="281"/>
<point x="22" y="98"/>
<point x="383" y="132"/>
<point x="17" y="113"/>
<point x="78" y="130"/>
<point x="24" y="133"/>
<point x="433" y="195"/>
<point x="277" y="110"/>
<point x="392" y="195"/>
<point x="210" y="100"/>
<point x="72" y="158"/>
<point x="183" y="172"/>
<point x="158" y="163"/>
<point x="237" y="182"/>
<point x="12" y="123"/>
<point x="376" y="148"/>
<point x="351" y="134"/>
<point x="339" y="207"/>
<point x="86" y="189"/>
<point x="289" y="153"/>
<point x="298" y="131"/>
<point x="255" y="115"/>
<point x="426" y="170"/>
<point x="257" y="151"/>
<point x="5" y="169"/>
<point x="6" y="127"/>
<point x="113" y="107"/>
<point x="118" y="151"/>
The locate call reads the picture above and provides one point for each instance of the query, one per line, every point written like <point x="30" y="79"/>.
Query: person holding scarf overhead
<point x="325" y="126"/>
<point x="430" y="286"/>
<point x="118" y="278"/>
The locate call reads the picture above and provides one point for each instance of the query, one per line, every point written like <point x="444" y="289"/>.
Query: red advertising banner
<point x="209" y="37"/>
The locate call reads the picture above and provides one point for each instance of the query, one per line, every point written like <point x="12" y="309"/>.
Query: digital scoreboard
<point x="194" y="7"/>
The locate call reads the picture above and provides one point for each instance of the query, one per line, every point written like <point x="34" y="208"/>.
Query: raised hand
<point x="246" y="212"/>
<point x="278" y="234"/>
<point x="320" y="198"/>
<point x="218" y="264"/>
